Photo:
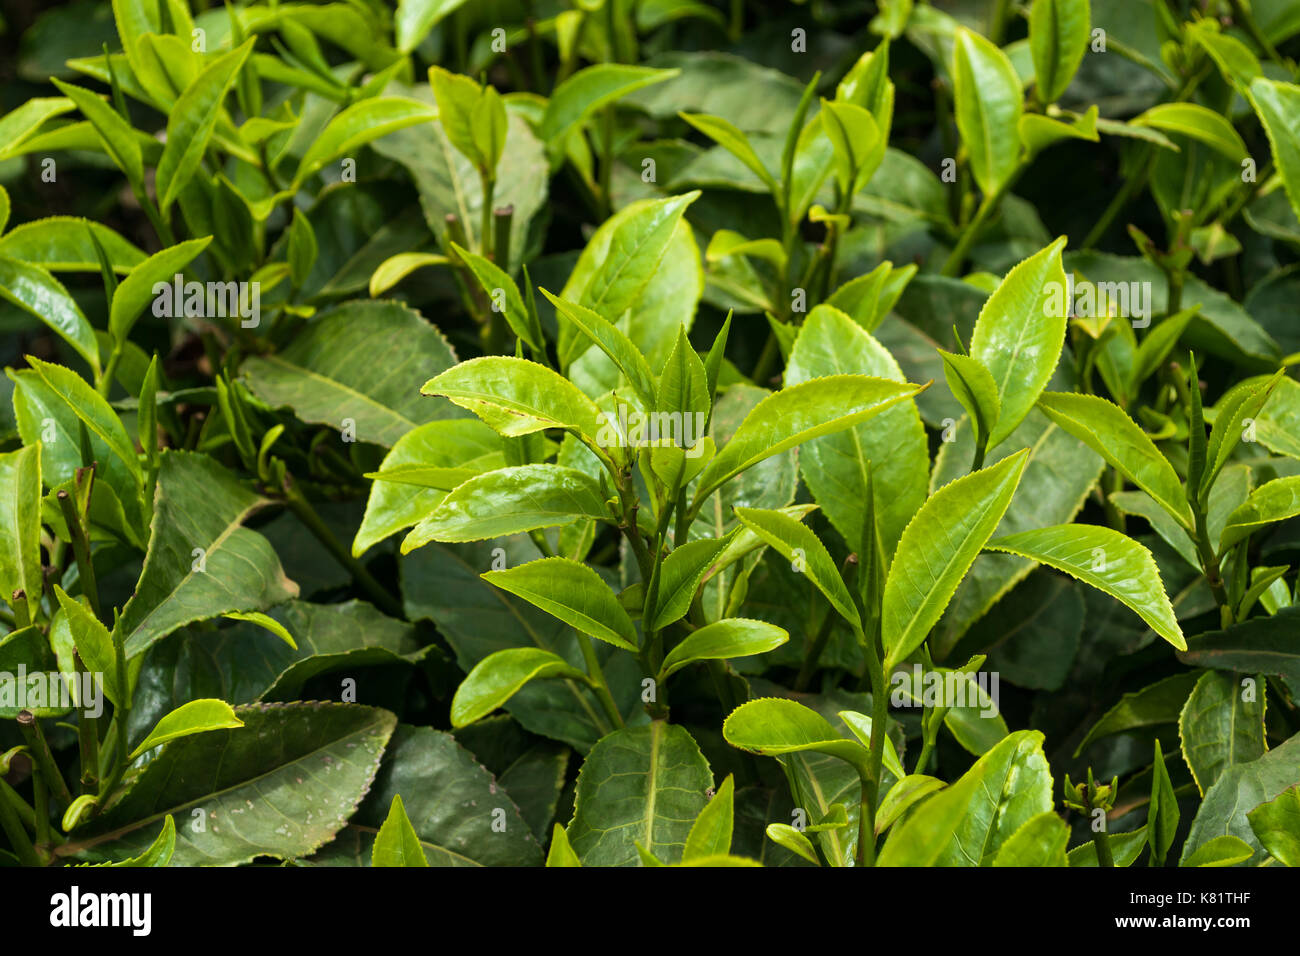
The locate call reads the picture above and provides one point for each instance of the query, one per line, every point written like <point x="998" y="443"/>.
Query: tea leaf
<point x="710" y="835"/>
<point x="572" y="592"/>
<point x="1107" y="430"/>
<point x="199" y="508"/>
<point x="733" y="637"/>
<point x="1058" y="39"/>
<point x="968" y="823"/>
<point x="137" y="290"/>
<point x="1107" y="560"/>
<point x="795" y="542"/>
<point x="34" y="290"/>
<point x="496" y="678"/>
<point x="1019" y="334"/>
<point x="989" y="103"/>
<point x="396" y="843"/>
<point x="1277" y="826"/>
<point x="224" y="771"/>
<point x="510" y="500"/>
<point x="1041" y="840"/>
<point x="641" y="784"/>
<point x="20" y="526"/>
<point x="937" y="549"/>
<point x="774" y="726"/>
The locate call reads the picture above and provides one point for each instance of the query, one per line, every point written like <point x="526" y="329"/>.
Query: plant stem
<point x="1121" y="199"/>
<point x="88" y="740"/>
<point x="43" y="758"/>
<point x="308" y="516"/>
<point x="1101" y="840"/>
<point x="12" y="824"/>
<point x="80" y="551"/>
<point x="598" y="682"/>
<point x="866" y="855"/>
<point x="1210" y="563"/>
<point x="986" y="208"/>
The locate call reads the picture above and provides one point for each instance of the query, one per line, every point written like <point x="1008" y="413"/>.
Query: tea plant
<point x="507" y="434"/>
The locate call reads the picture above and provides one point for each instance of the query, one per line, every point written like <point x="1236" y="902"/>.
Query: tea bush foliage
<point x="650" y="432"/>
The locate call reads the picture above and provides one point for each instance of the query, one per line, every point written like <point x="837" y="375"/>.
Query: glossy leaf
<point x="222" y="772"/>
<point x="200" y="506"/>
<point x="397" y="843"/>
<point x="798" y="414"/>
<point x="989" y="102"/>
<point x="1019" y="334"/>
<point x="1058" y="39"/>
<point x="34" y="290"/>
<point x="938" y="548"/>
<point x="1107" y="560"/>
<point x="572" y="592"/>
<point x="510" y="500"/>
<point x="195" y="717"/>
<point x="969" y="822"/>
<point x="710" y="834"/>
<point x="1107" y="430"/>
<point x="20" y="526"/>
<point x="774" y="726"/>
<point x="641" y="784"/>
<point x="721" y="640"/>
<point x="137" y="290"/>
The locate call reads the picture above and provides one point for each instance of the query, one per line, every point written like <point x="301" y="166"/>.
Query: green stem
<point x="43" y="758"/>
<point x="1210" y="563"/>
<point x="13" y="827"/>
<point x="88" y="741"/>
<point x="80" y="551"/>
<point x="1132" y="185"/>
<point x="598" y="682"/>
<point x="871" y="785"/>
<point x="1101" y="840"/>
<point x="308" y="516"/>
<point x="990" y="202"/>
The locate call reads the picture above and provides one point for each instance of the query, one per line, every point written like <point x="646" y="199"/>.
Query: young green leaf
<point x="787" y="837"/>
<point x="973" y="387"/>
<point x="721" y="640"/>
<point x="1276" y="825"/>
<point x="92" y="409"/>
<point x="1058" y="39"/>
<point x="1162" y="813"/>
<point x="1040" y="841"/>
<point x="1271" y="502"/>
<point x="989" y="102"/>
<point x="1224" y="850"/>
<point x="397" y="843"/>
<point x="359" y="124"/>
<point x="561" y="853"/>
<point x="499" y="286"/>
<point x="938" y="548"/>
<point x="797" y="543"/>
<point x="196" y="717"/>
<point x="113" y="131"/>
<point x="93" y="643"/>
<point x="191" y="123"/>
<point x="1019" y="335"/>
<point x="137" y="290"/>
<point x="798" y="414"/>
<point x="680" y="575"/>
<point x="518" y="397"/>
<point x="969" y="822"/>
<point x="1107" y="430"/>
<point x="572" y="592"/>
<point x="726" y="135"/>
<point x="508" y="501"/>
<point x="1198" y="123"/>
<point x="1278" y="106"/>
<point x="1109" y="561"/>
<point x="34" y="290"/>
<point x="611" y="340"/>
<point x="591" y="88"/>
<point x="1242" y="404"/>
<point x="499" y="676"/>
<point x="711" y="832"/>
<point x="774" y="726"/>
<point x="20" y="527"/>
